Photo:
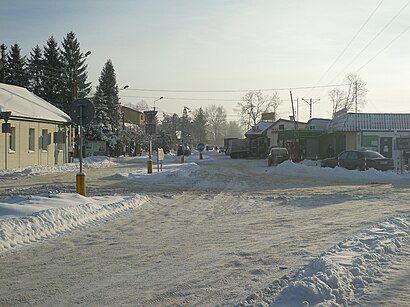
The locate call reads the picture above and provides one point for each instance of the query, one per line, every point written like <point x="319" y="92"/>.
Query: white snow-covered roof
<point x="24" y="104"/>
<point x="260" y="128"/>
<point x="370" y="121"/>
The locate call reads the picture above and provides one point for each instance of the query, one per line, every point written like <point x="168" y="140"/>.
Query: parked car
<point x="183" y="149"/>
<point x="277" y="155"/>
<point x="360" y="160"/>
<point x="221" y="149"/>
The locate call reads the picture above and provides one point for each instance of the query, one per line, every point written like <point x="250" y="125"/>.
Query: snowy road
<point x="215" y="237"/>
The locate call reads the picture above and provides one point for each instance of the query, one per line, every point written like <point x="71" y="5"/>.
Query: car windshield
<point x="279" y="151"/>
<point x="372" y="155"/>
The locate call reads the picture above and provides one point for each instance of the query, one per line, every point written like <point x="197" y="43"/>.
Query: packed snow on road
<point x="212" y="231"/>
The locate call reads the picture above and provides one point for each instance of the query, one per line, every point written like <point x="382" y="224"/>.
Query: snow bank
<point x="52" y="215"/>
<point x="313" y="169"/>
<point x="169" y="171"/>
<point x="339" y="277"/>
<point x="91" y="162"/>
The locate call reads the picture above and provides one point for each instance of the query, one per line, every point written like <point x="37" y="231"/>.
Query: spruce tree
<point x="106" y="123"/>
<point x="108" y="85"/>
<point x="170" y="124"/>
<point x="100" y="127"/>
<point x="16" y="67"/>
<point x="35" y="71"/>
<point x="3" y="62"/>
<point x="53" y="77"/>
<point x="199" y="126"/>
<point x="76" y="86"/>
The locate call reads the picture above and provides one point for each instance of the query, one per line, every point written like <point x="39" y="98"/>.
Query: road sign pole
<point x="5" y="151"/>
<point x="200" y="147"/>
<point x="80" y="178"/>
<point x="149" y="162"/>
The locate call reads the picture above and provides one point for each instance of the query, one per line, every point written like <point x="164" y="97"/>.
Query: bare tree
<point x="353" y="98"/>
<point x="356" y="96"/>
<point x="216" y="116"/>
<point x="142" y="105"/>
<point x="254" y="104"/>
<point x="338" y="98"/>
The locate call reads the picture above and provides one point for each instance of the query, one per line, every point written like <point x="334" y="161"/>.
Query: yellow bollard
<point x="200" y="156"/>
<point x="80" y="183"/>
<point x="149" y="166"/>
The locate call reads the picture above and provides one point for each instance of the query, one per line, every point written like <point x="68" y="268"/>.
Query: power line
<point x="350" y="42"/>
<point x="179" y="98"/>
<point x="232" y="90"/>
<point x="384" y="48"/>
<point x="310" y="102"/>
<point x="373" y="39"/>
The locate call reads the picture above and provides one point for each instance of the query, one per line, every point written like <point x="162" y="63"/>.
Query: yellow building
<point x="131" y="116"/>
<point x="36" y="132"/>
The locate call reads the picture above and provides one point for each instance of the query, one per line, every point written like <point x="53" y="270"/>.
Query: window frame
<point x="31" y="139"/>
<point x="44" y="139"/>
<point x="12" y="139"/>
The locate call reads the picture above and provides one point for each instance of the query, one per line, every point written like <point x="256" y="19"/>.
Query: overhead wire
<point x="384" y="48"/>
<point x="350" y="42"/>
<point x="232" y="90"/>
<point x="373" y="39"/>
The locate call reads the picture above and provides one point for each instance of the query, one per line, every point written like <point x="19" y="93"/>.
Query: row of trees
<point x="203" y="125"/>
<point x="58" y="74"/>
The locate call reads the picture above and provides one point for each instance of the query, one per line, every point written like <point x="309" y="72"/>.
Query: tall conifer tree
<point x="35" y="70"/>
<point x="106" y="123"/>
<point x="53" y="76"/>
<point x="16" y="67"/>
<point x="199" y="126"/>
<point x="3" y="62"/>
<point x="76" y="85"/>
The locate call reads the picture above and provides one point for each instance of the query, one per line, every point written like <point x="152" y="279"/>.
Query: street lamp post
<point x="157" y="100"/>
<point x="150" y="129"/>
<point x="120" y="116"/>
<point x="79" y="151"/>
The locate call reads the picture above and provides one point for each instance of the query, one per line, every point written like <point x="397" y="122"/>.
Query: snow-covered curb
<point x="44" y="224"/>
<point x="339" y="277"/>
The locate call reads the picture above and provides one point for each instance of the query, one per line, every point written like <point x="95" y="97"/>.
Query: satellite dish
<point x="82" y="111"/>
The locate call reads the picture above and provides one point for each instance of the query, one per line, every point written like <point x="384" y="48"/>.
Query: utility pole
<point x="310" y="102"/>
<point x="293" y="112"/>
<point x="355" y="94"/>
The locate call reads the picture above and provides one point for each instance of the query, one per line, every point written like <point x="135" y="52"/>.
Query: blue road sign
<point x="201" y="147"/>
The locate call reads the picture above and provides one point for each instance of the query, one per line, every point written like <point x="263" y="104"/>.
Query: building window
<point x="44" y="139"/>
<point x="281" y="127"/>
<point x="59" y="138"/>
<point x="12" y="139"/>
<point x="31" y="138"/>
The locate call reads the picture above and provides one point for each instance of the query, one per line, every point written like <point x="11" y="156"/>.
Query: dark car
<point x="360" y="160"/>
<point x="277" y="155"/>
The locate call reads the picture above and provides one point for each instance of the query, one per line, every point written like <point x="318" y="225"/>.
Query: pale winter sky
<point x="230" y="46"/>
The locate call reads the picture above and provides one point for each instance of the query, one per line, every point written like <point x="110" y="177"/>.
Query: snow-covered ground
<point x="338" y="277"/>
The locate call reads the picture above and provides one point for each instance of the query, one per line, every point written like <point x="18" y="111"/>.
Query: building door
<point x="386" y="146"/>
